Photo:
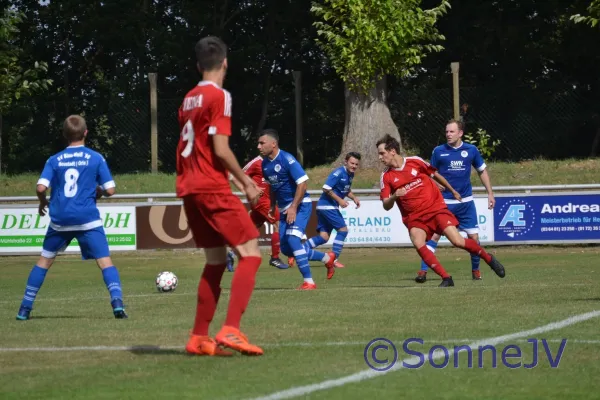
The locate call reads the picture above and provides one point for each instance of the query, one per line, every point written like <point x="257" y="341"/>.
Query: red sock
<point x="474" y="248"/>
<point x="242" y="286"/>
<point x="275" y="244"/>
<point x="432" y="261"/>
<point x="209" y="290"/>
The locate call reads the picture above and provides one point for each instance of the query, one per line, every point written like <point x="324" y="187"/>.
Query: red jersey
<point x="254" y="170"/>
<point x="422" y="197"/>
<point x="205" y="111"/>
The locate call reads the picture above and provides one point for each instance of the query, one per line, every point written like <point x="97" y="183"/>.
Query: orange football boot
<point x="290" y="262"/>
<point x="307" y="286"/>
<point x="330" y="265"/>
<point x="231" y="337"/>
<point x="338" y="264"/>
<point x="205" y="346"/>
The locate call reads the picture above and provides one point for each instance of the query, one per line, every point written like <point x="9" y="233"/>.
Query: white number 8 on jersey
<point x="71" y="176"/>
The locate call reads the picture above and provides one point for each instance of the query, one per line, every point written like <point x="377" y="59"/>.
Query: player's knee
<point x="457" y="241"/>
<point x="249" y="249"/>
<point x="324" y="235"/>
<point x="474" y="236"/>
<point x="45" y="262"/>
<point x="216" y="255"/>
<point x="344" y="229"/>
<point x="104" y="262"/>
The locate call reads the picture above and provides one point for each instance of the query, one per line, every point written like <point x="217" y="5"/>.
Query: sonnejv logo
<point x="518" y="217"/>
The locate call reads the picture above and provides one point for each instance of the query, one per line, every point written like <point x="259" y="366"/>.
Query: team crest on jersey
<point x="414" y="172"/>
<point x="277" y="168"/>
<point x="464" y="153"/>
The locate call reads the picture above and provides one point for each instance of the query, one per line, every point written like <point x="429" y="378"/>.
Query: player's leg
<point x="259" y="217"/>
<point x="419" y="234"/>
<point x="431" y="245"/>
<point x="209" y="286"/>
<point x="94" y="246"/>
<point x="470" y="245"/>
<point x="54" y="243"/>
<point x="475" y="259"/>
<point x="328" y="258"/>
<point x="323" y="231"/>
<point x="467" y="218"/>
<point x="336" y="220"/>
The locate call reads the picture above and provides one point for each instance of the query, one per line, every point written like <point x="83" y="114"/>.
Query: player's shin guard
<point x="432" y="262"/>
<point x="275" y="245"/>
<point x="301" y="257"/>
<point x="313" y="255"/>
<point x="431" y="245"/>
<point x="34" y="283"/>
<point x="242" y="286"/>
<point x="316" y="241"/>
<point x="113" y="283"/>
<point x="475" y="260"/>
<point x="209" y="291"/>
<point x="475" y="249"/>
<point x="338" y="242"/>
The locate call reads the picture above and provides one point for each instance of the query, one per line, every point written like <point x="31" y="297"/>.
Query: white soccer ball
<point x="166" y="281"/>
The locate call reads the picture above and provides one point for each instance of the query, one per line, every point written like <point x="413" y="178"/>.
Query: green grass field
<point x="308" y="337"/>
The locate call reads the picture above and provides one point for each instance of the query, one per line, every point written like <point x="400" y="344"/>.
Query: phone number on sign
<point x="370" y="239"/>
<point x="570" y="229"/>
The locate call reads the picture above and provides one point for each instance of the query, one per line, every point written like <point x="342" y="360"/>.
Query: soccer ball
<point x="166" y="281"/>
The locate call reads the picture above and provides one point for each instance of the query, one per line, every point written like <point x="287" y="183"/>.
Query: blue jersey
<point x="73" y="174"/>
<point x="454" y="164"/>
<point x="284" y="173"/>
<point x="340" y="182"/>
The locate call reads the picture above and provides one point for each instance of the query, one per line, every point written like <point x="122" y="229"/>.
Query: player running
<point x="406" y="182"/>
<point x="260" y="213"/>
<point x="337" y="187"/>
<point x="78" y="176"/>
<point x="288" y="191"/>
<point x="453" y="161"/>
<point x="217" y="218"/>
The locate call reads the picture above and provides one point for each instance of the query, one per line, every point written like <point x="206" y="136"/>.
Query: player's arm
<point x="434" y="163"/>
<point x="387" y="197"/>
<point x="442" y="181"/>
<point x="299" y="176"/>
<point x="353" y="197"/>
<point x="237" y="183"/>
<point x="227" y="158"/>
<point x="42" y="186"/>
<point x="330" y="183"/>
<point x="106" y="184"/>
<point x="481" y="168"/>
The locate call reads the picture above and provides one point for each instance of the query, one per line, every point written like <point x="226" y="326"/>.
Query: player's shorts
<point x="433" y="223"/>
<point x="260" y="214"/>
<point x="328" y="220"/>
<point x="298" y="228"/>
<point x="218" y="220"/>
<point x="466" y="214"/>
<point x="93" y="243"/>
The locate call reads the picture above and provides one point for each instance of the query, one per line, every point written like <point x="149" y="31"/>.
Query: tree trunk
<point x="368" y="118"/>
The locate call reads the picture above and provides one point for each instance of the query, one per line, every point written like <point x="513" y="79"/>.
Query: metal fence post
<point x="153" y="123"/>
<point x="455" y="89"/>
<point x="298" y="92"/>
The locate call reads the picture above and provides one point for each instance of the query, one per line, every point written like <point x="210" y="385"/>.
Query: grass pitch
<point x="308" y="337"/>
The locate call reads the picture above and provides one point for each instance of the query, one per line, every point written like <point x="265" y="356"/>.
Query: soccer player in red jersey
<point x="216" y="216"/>
<point x="407" y="182"/>
<point x="260" y="213"/>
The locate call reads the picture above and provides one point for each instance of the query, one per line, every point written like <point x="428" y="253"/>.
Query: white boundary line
<point x="268" y="345"/>
<point x="370" y="373"/>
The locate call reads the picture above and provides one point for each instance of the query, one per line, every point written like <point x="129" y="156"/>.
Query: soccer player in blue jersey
<point x="454" y="161"/>
<point x="78" y="176"/>
<point x="337" y="187"/>
<point x="288" y="191"/>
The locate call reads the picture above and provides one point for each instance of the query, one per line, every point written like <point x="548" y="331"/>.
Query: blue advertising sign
<point x="547" y="218"/>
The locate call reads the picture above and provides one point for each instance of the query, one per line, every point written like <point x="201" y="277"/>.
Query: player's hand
<point x="491" y="201"/>
<point x="291" y="215"/>
<point x="271" y="213"/>
<point x="253" y="194"/>
<point x="99" y="192"/>
<point x="457" y="196"/>
<point x="400" y="192"/>
<point x="357" y="202"/>
<point x="42" y="207"/>
<point x="344" y="204"/>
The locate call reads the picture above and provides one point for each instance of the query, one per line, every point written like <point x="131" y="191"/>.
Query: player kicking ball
<point x="337" y="187"/>
<point x="78" y="176"/>
<point x="406" y="182"/>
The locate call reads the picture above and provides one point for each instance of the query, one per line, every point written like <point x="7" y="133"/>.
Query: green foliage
<point x="15" y="81"/>
<point x="367" y="39"/>
<point x="483" y="141"/>
<point x="592" y="19"/>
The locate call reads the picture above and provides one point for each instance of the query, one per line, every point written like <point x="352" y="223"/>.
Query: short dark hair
<point x="353" y="154"/>
<point x="210" y="53"/>
<point x="459" y="123"/>
<point x="390" y="143"/>
<point x="74" y="128"/>
<point x="270" y="132"/>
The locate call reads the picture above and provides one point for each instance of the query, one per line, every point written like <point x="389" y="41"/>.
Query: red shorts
<point x="217" y="220"/>
<point x="260" y="213"/>
<point x="433" y="223"/>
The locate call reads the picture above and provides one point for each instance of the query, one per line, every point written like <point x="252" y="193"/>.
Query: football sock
<point x="242" y="286"/>
<point x="475" y="260"/>
<point x="113" y="282"/>
<point x="34" y="283"/>
<point x="432" y="261"/>
<point x="316" y="241"/>
<point x="275" y="245"/>
<point x="431" y="245"/>
<point x="209" y="290"/>
<point x="338" y="242"/>
<point x="313" y="255"/>
<point x="301" y="256"/>
<point x="472" y="247"/>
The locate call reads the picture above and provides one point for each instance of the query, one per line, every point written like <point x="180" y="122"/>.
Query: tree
<point x="366" y="40"/>
<point x="592" y="19"/>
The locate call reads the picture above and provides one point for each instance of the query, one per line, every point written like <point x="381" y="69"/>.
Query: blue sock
<point x="113" y="283"/>
<point x="338" y="242"/>
<point x="316" y="241"/>
<point x="475" y="261"/>
<point x="301" y="256"/>
<point x="34" y="283"/>
<point x="432" y="244"/>
<point x="313" y="255"/>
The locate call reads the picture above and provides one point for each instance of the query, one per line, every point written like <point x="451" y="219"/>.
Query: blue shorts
<point x="466" y="214"/>
<point x="328" y="220"/>
<point x="298" y="228"/>
<point x="93" y="243"/>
